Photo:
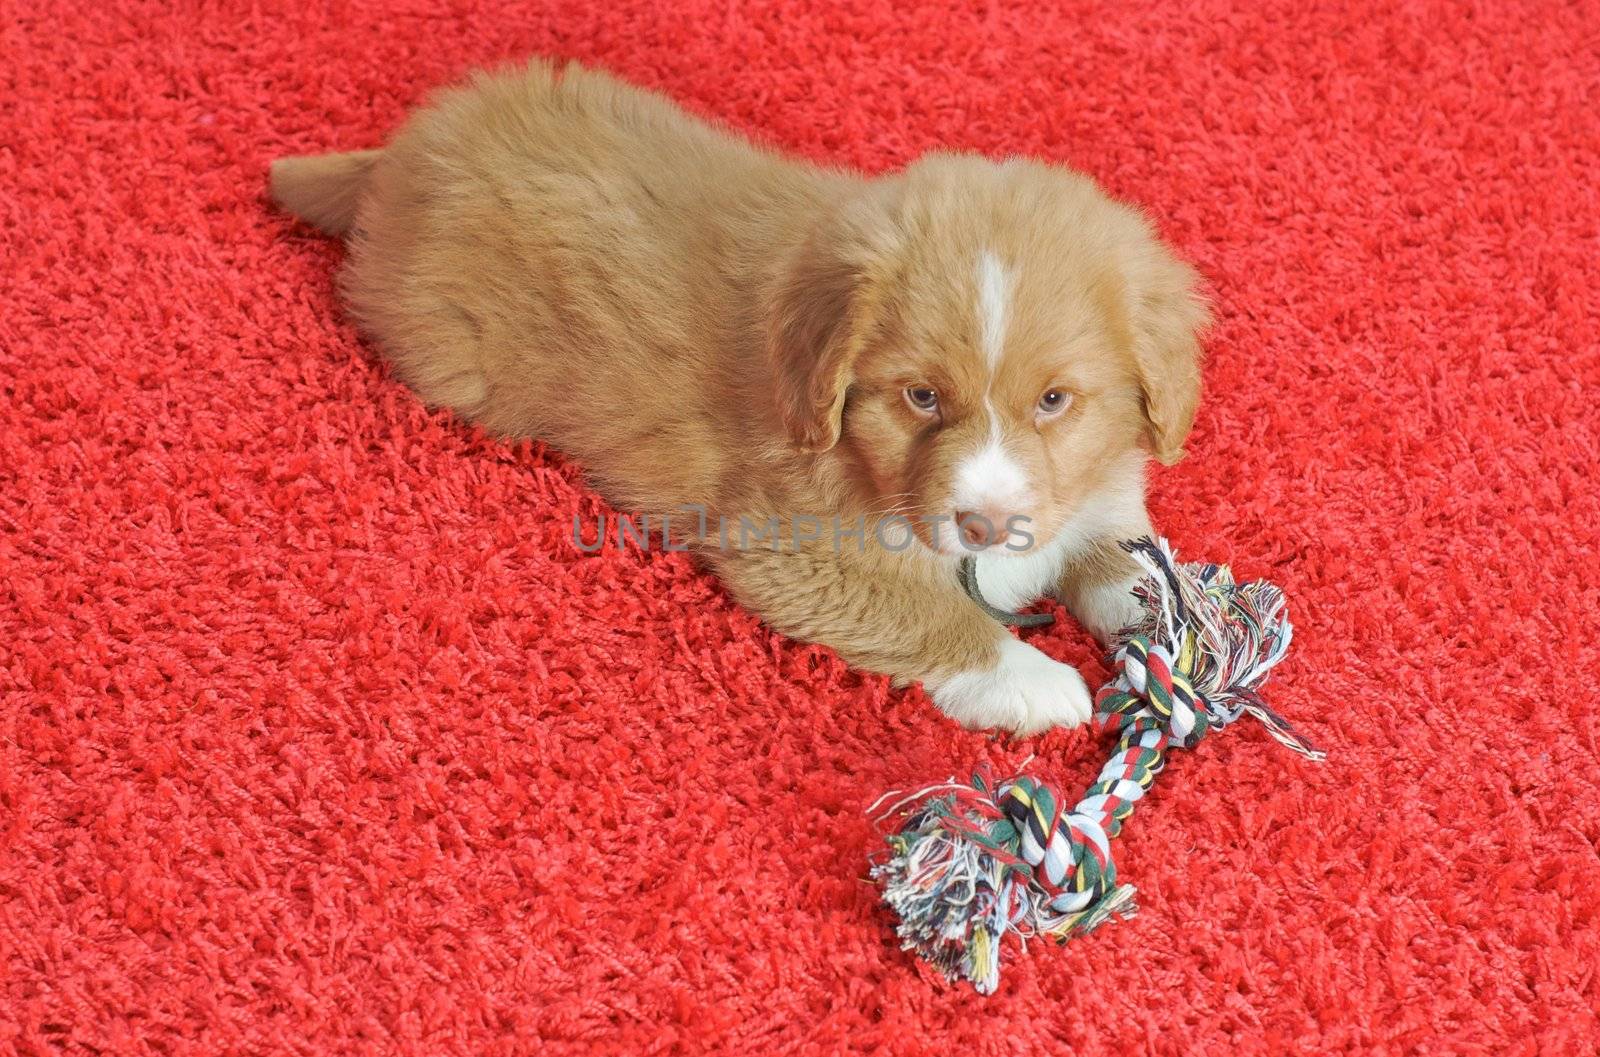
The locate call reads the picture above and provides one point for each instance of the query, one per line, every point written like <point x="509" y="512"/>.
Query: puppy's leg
<point x="1097" y="576"/>
<point x="905" y="616"/>
<point x="1097" y="584"/>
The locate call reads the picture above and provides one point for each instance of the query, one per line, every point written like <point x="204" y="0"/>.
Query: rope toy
<point x="971" y="863"/>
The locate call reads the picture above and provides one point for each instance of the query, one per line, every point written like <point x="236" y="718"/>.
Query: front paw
<point x="1108" y="609"/>
<point x="1026" y="692"/>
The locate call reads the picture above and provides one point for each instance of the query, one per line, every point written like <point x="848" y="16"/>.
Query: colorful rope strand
<point x="973" y="862"/>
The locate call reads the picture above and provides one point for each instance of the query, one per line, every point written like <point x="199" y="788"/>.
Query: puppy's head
<point x="987" y="343"/>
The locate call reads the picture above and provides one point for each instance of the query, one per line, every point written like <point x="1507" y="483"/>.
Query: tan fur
<point x="324" y="190"/>
<point x="699" y="321"/>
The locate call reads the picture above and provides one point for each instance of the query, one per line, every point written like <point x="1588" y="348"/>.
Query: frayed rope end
<point x="971" y="863"/>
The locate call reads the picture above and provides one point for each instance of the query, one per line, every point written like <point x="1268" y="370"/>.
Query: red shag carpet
<point x="319" y="737"/>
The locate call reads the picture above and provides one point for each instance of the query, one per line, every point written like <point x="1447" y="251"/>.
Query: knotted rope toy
<point x="974" y="862"/>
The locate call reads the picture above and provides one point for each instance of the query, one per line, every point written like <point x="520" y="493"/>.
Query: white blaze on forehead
<point x="989" y="480"/>
<point x="994" y="295"/>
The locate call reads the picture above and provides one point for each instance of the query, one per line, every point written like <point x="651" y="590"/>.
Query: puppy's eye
<point x="1054" y="401"/>
<point x="922" y="397"/>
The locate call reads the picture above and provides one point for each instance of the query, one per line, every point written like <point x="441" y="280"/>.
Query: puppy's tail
<point x="323" y="189"/>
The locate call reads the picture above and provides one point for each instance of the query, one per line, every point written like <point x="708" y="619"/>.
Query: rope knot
<point x="1152" y="682"/>
<point x="977" y="861"/>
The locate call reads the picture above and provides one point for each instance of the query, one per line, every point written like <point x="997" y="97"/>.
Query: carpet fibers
<point x="317" y="736"/>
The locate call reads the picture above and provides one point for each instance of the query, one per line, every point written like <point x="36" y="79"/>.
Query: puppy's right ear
<point x="826" y="303"/>
<point x="1169" y="314"/>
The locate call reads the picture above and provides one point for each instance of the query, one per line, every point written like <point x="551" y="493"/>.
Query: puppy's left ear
<point x="1168" y="315"/>
<point x="826" y="303"/>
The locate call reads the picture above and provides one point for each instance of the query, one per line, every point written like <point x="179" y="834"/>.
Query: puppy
<point x="963" y="357"/>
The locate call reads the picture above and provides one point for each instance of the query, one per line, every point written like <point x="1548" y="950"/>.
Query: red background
<point x="318" y="736"/>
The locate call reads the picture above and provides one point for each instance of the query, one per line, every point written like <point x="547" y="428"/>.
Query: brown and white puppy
<point x="700" y="322"/>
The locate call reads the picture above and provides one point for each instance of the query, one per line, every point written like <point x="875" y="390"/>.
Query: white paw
<point x="1108" y="608"/>
<point x="1026" y="692"/>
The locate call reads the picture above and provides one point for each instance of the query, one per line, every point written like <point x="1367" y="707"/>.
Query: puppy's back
<point x="559" y="254"/>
